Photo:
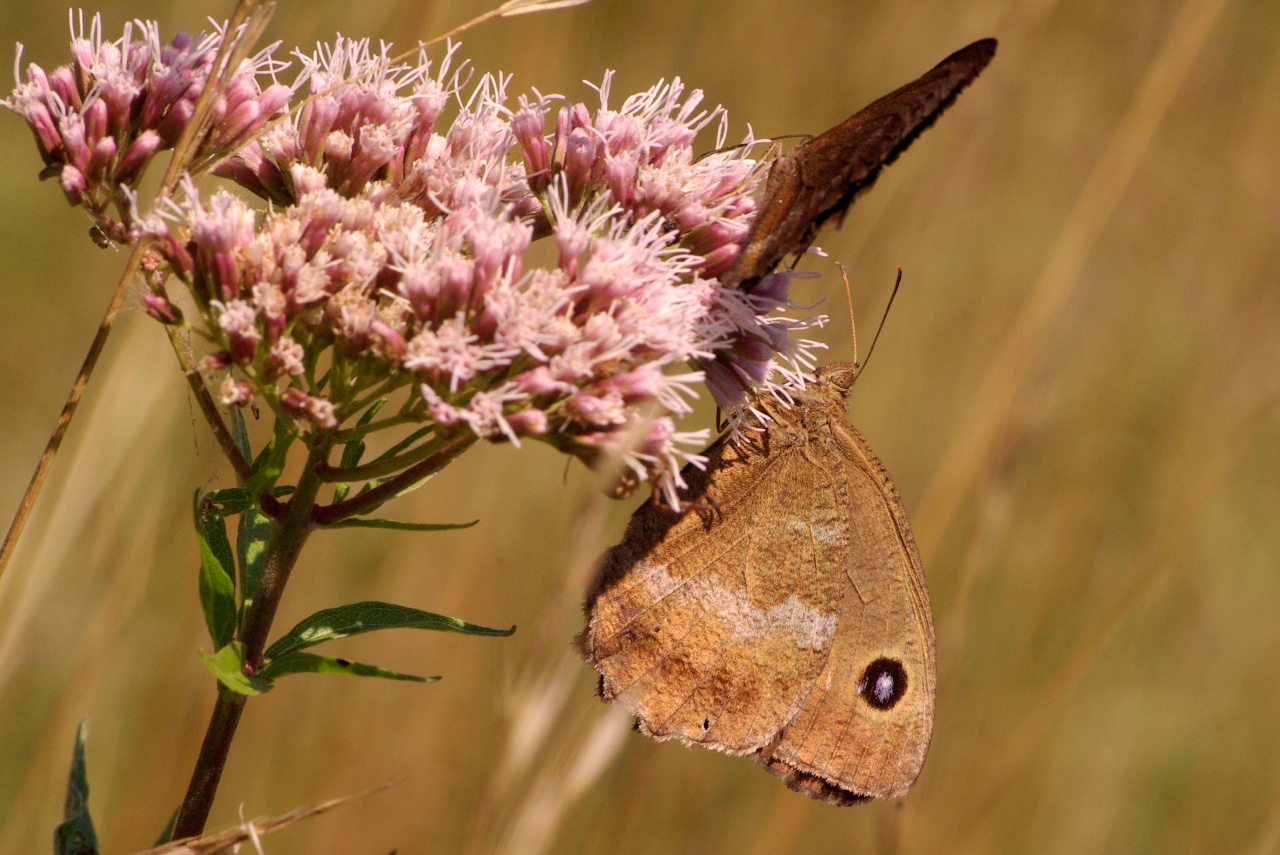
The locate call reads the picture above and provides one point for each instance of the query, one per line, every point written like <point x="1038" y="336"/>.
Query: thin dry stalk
<point x="560" y="783"/>
<point x="257" y="13"/>
<point x="536" y="729"/>
<point x="230" y="839"/>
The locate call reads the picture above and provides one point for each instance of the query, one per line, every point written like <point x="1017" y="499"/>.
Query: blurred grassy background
<point x="1075" y="395"/>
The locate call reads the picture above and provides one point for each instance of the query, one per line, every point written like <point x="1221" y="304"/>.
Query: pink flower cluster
<point x="398" y="252"/>
<point x="100" y="120"/>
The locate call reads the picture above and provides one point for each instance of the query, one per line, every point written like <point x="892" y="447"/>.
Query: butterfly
<point x="785" y="615"/>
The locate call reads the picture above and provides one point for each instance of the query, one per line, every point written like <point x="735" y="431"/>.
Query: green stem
<point x="288" y="536"/>
<point x="383" y="467"/>
<point x="367" y="501"/>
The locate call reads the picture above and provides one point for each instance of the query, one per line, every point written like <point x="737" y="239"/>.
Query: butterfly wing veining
<point x="713" y="626"/>
<point x="847" y="743"/>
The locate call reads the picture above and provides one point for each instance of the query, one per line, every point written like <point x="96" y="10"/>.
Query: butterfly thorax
<point x="812" y="410"/>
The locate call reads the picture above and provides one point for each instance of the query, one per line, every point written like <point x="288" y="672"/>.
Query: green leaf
<point x="251" y="543"/>
<point x="356" y="618"/>
<point x="166" y="835"/>
<point x="357" y="522"/>
<point x="236" y="500"/>
<point x="215" y="530"/>
<point x="270" y="463"/>
<point x="354" y="450"/>
<point x="298" y="663"/>
<point x="217" y="590"/>
<point x="228" y="666"/>
<point x="75" y="834"/>
<point x="404" y="444"/>
<point x="240" y="433"/>
<point x="230" y="500"/>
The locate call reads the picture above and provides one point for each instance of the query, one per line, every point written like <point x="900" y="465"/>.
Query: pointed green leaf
<point x="354" y="450"/>
<point x="230" y="501"/>
<point x="270" y="463"/>
<point x="404" y="444"/>
<point x="251" y="542"/>
<point x="236" y="500"/>
<point x="166" y="835"/>
<point x="228" y="666"/>
<point x="359" y="522"/>
<point x="356" y="618"/>
<point x="240" y="434"/>
<point x="298" y="663"/>
<point x="75" y="835"/>
<point x="215" y="531"/>
<point x="217" y="590"/>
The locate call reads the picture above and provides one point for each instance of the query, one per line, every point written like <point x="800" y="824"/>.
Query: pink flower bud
<point x="137" y="156"/>
<point x="239" y="122"/>
<point x="219" y="360"/>
<point x="294" y="401"/>
<point x="104" y="152"/>
<point x="235" y="393"/>
<point x="285" y="358"/>
<point x="620" y="172"/>
<point x="41" y="122"/>
<point x="63" y="84"/>
<point x="239" y="321"/>
<point x="527" y="124"/>
<point x="273" y="100"/>
<point x="240" y="90"/>
<point x="580" y="157"/>
<point x="539" y="381"/>
<point x="429" y="101"/>
<point x="95" y="120"/>
<point x="159" y="307"/>
<point x="718" y="261"/>
<point x="529" y="423"/>
<point x="318" y="115"/>
<point x="75" y="149"/>
<point x="394" y="346"/>
<point x="73" y="184"/>
<point x="175" y="121"/>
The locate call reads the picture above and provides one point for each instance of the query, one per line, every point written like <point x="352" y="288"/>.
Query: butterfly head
<point x="837" y="375"/>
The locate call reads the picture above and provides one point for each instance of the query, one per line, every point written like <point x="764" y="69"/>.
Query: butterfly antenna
<point x="896" y="284"/>
<point x="848" y="300"/>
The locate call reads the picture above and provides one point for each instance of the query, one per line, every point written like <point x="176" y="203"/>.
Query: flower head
<point x="397" y="259"/>
<point x="99" y="120"/>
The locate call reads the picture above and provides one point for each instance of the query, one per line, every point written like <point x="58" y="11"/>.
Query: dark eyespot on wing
<point x="883" y="683"/>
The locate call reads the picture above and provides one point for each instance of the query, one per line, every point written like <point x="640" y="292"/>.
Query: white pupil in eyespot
<point x="883" y="689"/>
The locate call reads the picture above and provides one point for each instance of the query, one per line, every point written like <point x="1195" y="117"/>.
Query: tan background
<point x="1075" y="394"/>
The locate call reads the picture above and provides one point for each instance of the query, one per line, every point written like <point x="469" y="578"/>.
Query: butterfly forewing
<point x="820" y="178"/>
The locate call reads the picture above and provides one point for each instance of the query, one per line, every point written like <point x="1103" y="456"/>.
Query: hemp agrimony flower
<point x="388" y="280"/>
<point x="397" y="256"/>
<point x="100" y="120"/>
<point x="396" y="251"/>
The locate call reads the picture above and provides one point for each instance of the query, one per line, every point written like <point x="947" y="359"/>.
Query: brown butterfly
<point x="788" y="618"/>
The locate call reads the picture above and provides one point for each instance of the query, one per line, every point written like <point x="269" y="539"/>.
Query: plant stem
<point x="288" y="536"/>
<point x="212" y="760"/>
<point x="370" y="499"/>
